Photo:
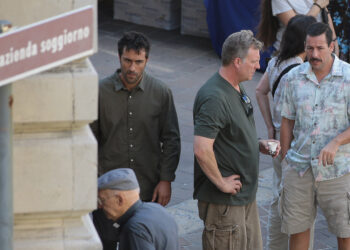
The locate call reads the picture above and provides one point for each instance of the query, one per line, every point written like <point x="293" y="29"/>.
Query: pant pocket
<point x="221" y="238"/>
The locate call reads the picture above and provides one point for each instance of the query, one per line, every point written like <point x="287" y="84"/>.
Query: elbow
<point x="198" y="152"/>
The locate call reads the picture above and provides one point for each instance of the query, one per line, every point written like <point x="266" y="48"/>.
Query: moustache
<point x="315" y="60"/>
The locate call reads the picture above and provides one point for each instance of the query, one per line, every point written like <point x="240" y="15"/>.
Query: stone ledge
<point x="59" y="99"/>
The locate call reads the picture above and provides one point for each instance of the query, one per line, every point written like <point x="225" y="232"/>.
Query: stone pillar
<point x="54" y="151"/>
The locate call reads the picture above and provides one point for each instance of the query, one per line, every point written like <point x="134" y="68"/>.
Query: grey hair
<point x="237" y="45"/>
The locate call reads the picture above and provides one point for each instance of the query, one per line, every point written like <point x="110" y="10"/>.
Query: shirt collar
<point x="118" y="84"/>
<point x="336" y="69"/>
<point x="129" y="213"/>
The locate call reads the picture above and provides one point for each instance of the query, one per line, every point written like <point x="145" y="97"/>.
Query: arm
<point x="336" y="45"/>
<point x="171" y="148"/>
<point x="327" y="154"/>
<point x="262" y="91"/>
<point x="287" y="127"/>
<point x="137" y="240"/>
<point x="284" y="17"/>
<point x="204" y="153"/>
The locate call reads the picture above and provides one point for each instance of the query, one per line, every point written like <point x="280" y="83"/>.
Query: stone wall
<point x="54" y="151"/>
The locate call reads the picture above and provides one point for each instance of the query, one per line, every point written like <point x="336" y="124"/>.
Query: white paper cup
<point x="272" y="147"/>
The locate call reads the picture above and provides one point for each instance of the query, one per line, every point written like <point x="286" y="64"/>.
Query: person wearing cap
<point x="142" y="225"/>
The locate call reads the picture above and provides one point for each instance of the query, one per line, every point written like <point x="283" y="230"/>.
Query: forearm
<point x="209" y="166"/>
<point x="261" y="92"/>
<point x="205" y="156"/>
<point x="264" y="105"/>
<point x="343" y="138"/>
<point x="316" y="8"/>
<point x="286" y="135"/>
<point x="334" y="36"/>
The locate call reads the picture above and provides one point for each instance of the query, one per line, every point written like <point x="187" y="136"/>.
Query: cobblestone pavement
<point x="185" y="63"/>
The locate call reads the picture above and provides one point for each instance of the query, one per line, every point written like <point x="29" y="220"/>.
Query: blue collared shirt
<point x="321" y="112"/>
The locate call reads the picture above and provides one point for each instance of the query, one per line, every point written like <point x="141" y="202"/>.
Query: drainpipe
<point x="6" y="211"/>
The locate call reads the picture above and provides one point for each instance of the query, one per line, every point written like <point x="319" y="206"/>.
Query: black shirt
<point x="138" y="129"/>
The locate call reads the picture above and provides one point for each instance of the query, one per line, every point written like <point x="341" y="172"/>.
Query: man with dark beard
<point x="137" y="125"/>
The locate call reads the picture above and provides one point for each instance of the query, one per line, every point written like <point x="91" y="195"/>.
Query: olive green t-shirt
<point x="219" y="114"/>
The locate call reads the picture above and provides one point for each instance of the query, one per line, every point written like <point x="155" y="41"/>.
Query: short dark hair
<point x="319" y="28"/>
<point x="135" y="41"/>
<point x="293" y="39"/>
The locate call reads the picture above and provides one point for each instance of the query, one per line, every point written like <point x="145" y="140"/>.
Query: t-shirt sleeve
<point x="288" y="103"/>
<point x="210" y="118"/>
<point x="280" y="6"/>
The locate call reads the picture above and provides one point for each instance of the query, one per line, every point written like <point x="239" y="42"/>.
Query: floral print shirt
<point x="321" y="111"/>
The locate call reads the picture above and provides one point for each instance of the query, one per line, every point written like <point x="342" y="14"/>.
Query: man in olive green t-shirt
<point x="227" y="150"/>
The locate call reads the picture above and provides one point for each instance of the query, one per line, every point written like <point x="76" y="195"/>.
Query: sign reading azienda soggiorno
<point x="46" y="44"/>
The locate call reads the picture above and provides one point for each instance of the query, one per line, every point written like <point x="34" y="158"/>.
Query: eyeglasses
<point x="247" y="104"/>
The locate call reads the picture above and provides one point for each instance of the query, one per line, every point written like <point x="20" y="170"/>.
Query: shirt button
<point x="131" y="145"/>
<point x="130" y="113"/>
<point x="130" y="96"/>
<point x="132" y="160"/>
<point x="130" y="129"/>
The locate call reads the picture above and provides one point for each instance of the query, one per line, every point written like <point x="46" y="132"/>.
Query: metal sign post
<point x="6" y="211"/>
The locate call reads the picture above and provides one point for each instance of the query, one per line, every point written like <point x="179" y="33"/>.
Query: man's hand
<point x="264" y="148"/>
<point x="162" y="193"/>
<point x="327" y="154"/>
<point x="231" y="184"/>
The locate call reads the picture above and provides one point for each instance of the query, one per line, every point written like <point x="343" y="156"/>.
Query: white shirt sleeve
<point x="280" y="6"/>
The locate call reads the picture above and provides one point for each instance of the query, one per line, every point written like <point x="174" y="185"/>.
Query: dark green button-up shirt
<point x="138" y="129"/>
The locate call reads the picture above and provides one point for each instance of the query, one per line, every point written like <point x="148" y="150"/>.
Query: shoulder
<point x="107" y="84"/>
<point x="107" y="80"/>
<point x="344" y="69"/>
<point x="214" y="88"/>
<point x="154" y="83"/>
<point x="148" y="216"/>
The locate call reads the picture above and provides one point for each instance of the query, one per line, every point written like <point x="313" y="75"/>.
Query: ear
<point x="119" y="199"/>
<point x="237" y="62"/>
<point x="332" y="46"/>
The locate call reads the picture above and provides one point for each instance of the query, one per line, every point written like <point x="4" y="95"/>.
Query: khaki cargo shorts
<point x="230" y="227"/>
<point x="300" y="197"/>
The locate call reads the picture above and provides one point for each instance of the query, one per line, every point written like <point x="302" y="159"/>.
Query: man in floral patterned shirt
<point x="315" y="136"/>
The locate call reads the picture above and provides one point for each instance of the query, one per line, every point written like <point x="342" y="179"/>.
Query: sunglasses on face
<point x="247" y="105"/>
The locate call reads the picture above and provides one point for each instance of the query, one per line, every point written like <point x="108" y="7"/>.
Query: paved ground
<point x="185" y="63"/>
